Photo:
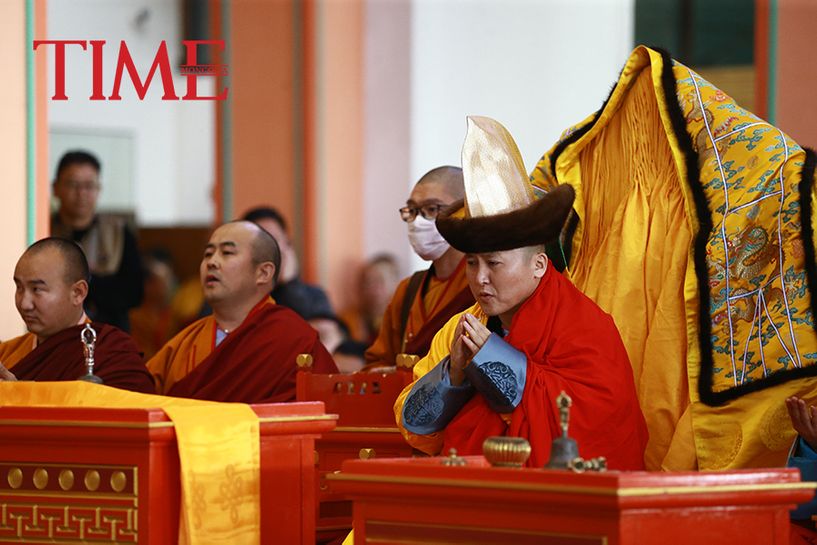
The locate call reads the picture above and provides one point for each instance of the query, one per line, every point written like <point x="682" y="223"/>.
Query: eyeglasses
<point x="429" y="212"/>
<point x="81" y="186"/>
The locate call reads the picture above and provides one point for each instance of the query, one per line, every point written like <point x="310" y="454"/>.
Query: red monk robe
<point x="255" y="363"/>
<point x="117" y="359"/>
<point x="570" y="345"/>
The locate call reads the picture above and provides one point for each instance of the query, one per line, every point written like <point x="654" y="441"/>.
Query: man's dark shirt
<point x="111" y="296"/>
<point x="306" y="299"/>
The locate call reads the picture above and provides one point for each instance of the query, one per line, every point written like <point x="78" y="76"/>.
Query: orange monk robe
<point x="118" y="361"/>
<point x="362" y="328"/>
<point x="435" y="302"/>
<point x="255" y="363"/>
<point x="150" y="328"/>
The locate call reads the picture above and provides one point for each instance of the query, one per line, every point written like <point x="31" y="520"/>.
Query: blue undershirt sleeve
<point x="433" y="401"/>
<point x="499" y="372"/>
<point x="804" y="458"/>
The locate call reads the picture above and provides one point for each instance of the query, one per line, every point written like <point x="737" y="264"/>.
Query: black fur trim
<point x="805" y="188"/>
<point x="581" y="131"/>
<point x="704" y="213"/>
<point x="538" y="223"/>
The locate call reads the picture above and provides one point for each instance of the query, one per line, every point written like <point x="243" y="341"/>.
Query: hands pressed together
<point x="469" y="337"/>
<point x="803" y="419"/>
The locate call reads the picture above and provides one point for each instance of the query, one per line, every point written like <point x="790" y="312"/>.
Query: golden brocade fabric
<point x="218" y="450"/>
<point x="690" y="233"/>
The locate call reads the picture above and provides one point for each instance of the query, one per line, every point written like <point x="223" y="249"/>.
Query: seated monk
<point x="51" y="279"/>
<point x="498" y="367"/>
<point x="246" y="350"/>
<point x="423" y="302"/>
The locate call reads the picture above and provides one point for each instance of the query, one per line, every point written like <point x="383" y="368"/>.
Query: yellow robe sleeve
<point x="440" y="348"/>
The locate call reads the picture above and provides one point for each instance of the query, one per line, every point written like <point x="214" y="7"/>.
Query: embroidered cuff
<point x="498" y="371"/>
<point x="433" y="401"/>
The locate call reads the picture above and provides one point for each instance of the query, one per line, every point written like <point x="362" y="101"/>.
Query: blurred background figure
<point x="378" y="280"/>
<point x="334" y="335"/>
<point x="188" y="304"/>
<point x="109" y="245"/>
<point x="152" y="321"/>
<point x="290" y="291"/>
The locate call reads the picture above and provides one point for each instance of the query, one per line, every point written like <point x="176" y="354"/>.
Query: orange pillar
<point x="42" y="177"/>
<point x="290" y="133"/>
<point x="308" y="75"/>
<point x="796" y="78"/>
<point x="338" y="145"/>
<point x="261" y="143"/>
<point x="761" y="106"/>
<point x="13" y="156"/>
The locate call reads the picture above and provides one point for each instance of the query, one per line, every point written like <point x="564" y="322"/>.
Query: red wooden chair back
<point x="364" y="403"/>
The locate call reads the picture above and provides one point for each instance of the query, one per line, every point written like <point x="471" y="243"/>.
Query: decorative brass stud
<point x="366" y="453"/>
<point x="453" y="460"/>
<point x="66" y="479"/>
<point x="15" y="477"/>
<point x="406" y="361"/>
<point x="304" y="361"/>
<point x="92" y="480"/>
<point x="40" y="478"/>
<point x="118" y="481"/>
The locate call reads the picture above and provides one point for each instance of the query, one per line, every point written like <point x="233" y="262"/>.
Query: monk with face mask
<point x="425" y="301"/>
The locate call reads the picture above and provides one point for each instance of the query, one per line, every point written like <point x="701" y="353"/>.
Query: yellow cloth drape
<point x="218" y="450"/>
<point x="633" y="253"/>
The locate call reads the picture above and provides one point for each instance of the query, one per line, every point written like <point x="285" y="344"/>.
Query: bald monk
<point x="423" y="302"/>
<point x="246" y="350"/>
<point x="51" y="280"/>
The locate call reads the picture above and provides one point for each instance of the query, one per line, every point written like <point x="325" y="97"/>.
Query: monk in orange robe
<point x="423" y="302"/>
<point x="246" y="350"/>
<point x="51" y="280"/>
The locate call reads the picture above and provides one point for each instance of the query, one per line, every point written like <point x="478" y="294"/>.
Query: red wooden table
<point x="112" y="475"/>
<point x="422" y="501"/>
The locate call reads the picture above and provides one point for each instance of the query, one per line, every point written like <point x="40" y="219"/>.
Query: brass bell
<point x="563" y="450"/>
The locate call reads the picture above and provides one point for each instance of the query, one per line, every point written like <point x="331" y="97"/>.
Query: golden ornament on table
<point x="506" y="451"/>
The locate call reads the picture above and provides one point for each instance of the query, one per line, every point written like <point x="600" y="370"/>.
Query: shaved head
<point x="51" y="284"/>
<point x="75" y="265"/>
<point x="265" y="248"/>
<point x="239" y="266"/>
<point x="448" y="177"/>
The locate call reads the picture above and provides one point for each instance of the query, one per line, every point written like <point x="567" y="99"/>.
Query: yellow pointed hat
<point x="501" y="210"/>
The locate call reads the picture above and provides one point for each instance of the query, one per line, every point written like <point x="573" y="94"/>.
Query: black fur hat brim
<point x="538" y="223"/>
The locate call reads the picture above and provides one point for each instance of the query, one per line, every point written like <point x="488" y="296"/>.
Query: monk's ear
<point x="540" y="262"/>
<point x="79" y="291"/>
<point x="265" y="272"/>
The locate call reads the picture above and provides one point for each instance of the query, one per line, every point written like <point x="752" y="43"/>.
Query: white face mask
<point x="427" y="242"/>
